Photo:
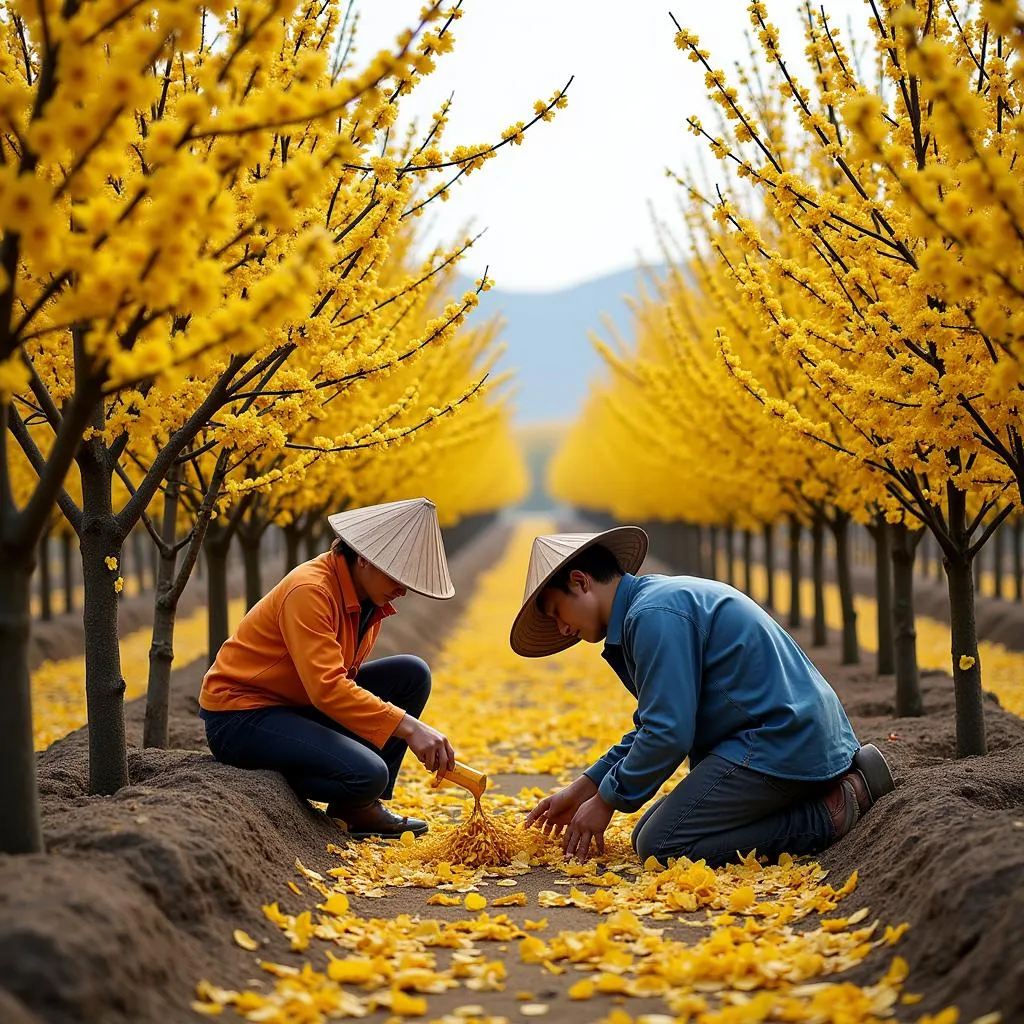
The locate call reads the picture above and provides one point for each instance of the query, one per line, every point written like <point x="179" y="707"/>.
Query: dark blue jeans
<point x="721" y="809"/>
<point x="321" y="759"/>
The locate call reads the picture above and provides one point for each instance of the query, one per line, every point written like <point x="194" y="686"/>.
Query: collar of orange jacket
<point x="348" y="589"/>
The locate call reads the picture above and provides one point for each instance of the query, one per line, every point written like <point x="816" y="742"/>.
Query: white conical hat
<point x="535" y="635"/>
<point x="403" y="540"/>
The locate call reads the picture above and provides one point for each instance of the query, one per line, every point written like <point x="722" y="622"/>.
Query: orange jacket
<point x="297" y="647"/>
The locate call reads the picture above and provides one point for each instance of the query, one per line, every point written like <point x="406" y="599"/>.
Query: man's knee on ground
<point x="648" y="843"/>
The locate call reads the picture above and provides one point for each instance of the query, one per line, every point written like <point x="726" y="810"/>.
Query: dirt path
<point x="140" y="893"/>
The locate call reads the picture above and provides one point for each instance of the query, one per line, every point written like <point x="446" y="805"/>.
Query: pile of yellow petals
<point x="737" y="945"/>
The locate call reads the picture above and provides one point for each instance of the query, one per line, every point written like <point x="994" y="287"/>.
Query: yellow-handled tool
<point x="465" y="777"/>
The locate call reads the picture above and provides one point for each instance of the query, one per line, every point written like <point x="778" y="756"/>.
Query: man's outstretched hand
<point x="554" y="813"/>
<point x="578" y="812"/>
<point x="588" y="823"/>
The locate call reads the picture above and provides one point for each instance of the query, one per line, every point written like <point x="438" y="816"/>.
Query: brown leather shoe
<point x="376" y="821"/>
<point x="855" y="791"/>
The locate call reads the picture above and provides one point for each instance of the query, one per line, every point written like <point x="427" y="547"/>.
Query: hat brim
<point x="536" y="635"/>
<point x="443" y="595"/>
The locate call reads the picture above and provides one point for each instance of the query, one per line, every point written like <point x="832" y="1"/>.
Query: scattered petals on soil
<point x="745" y="943"/>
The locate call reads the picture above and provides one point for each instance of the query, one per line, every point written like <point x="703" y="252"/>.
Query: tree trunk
<point x="748" y="562"/>
<point x="251" y="559"/>
<point x="139" y="558"/>
<point x="840" y="527"/>
<point x="768" y="532"/>
<point x="68" y="562"/>
<point x="996" y="540"/>
<point x="313" y="538"/>
<point x="20" y="830"/>
<point x="795" y="616"/>
<point x="713" y="544"/>
<point x="216" y="551"/>
<point x="292" y="540"/>
<point x="104" y="685"/>
<point x="881" y="533"/>
<point x="1018" y="558"/>
<point x="908" y="685"/>
<point x="970" y="708"/>
<point x="695" y="548"/>
<point x="165" y="607"/>
<point x="820" y="636"/>
<point x="730" y="575"/>
<point x="45" y="591"/>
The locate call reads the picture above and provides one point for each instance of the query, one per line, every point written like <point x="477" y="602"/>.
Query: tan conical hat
<point x="403" y="540"/>
<point x="535" y="635"/>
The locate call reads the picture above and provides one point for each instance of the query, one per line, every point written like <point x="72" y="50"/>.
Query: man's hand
<point x="431" y="747"/>
<point x="587" y="824"/>
<point x="555" y="812"/>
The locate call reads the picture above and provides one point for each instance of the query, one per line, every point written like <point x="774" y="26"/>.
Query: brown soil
<point x="138" y="895"/>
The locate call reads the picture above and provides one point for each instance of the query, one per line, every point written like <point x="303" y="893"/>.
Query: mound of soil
<point x="945" y="852"/>
<point x="129" y="906"/>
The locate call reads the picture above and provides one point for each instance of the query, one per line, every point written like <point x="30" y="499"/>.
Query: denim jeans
<point x="320" y="759"/>
<point x="721" y="809"/>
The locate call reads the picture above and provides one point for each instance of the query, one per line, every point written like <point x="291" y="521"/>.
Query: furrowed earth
<point x="203" y="889"/>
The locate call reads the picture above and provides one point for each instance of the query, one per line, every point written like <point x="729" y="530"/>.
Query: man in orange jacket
<point x="290" y="692"/>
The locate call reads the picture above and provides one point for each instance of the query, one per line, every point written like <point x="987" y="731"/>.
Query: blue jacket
<point x="713" y="673"/>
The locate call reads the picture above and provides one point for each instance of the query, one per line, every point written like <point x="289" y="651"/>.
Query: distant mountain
<point x="546" y="337"/>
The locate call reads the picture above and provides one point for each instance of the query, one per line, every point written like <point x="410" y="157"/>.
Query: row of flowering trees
<point x="845" y="340"/>
<point x="208" y="297"/>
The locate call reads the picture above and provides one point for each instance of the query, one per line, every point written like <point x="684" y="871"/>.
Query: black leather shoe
<point x="874" y="770"/>
<point x="376" y="821"/>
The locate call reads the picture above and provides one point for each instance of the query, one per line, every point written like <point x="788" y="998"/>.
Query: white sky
<point x="571" y="203"/>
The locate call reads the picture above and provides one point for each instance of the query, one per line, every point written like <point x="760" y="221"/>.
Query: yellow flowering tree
<point x="898" y="207"/>
<point x="189" y="196"/>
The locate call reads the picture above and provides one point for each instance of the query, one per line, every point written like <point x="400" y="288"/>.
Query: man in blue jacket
<point x="774" y="764"/>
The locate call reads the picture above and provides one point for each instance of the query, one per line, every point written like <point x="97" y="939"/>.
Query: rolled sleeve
<point x="309" y="624"/>
<point x="666" y="648"/>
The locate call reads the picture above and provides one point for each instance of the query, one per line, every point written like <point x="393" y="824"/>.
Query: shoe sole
<point x="874" y="770"/>
<point x="388" y="835"/>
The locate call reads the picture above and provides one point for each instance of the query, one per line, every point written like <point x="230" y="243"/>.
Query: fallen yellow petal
<point x="210" y="1009"/>
<point x="244" y="940"/>
<point x="442" y="899"/>
<point x="404" y="1004"/>
<point x="336" y="903"/>
<point x="474" y="901"/>
<point x="742" y="898"/>
<point x="514" y="899"/>
<point x="584" y="989"/>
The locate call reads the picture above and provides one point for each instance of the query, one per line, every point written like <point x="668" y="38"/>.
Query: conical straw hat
<point x="403" y="540"/>
<point x="535" y="635"/>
